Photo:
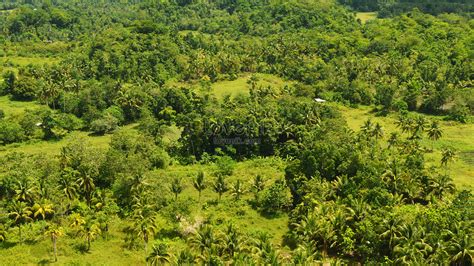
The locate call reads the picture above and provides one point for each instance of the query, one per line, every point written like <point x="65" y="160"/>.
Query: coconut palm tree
<point x="440" y="185"/>
<point x="367" y="129"/>
<point x="176" y="187"/>
<point x="411" y="247"/>
<point x="185" y="257"/>
<point x="377" y="132"/>
<point x="402" y="122"/>
<point x="434" y="131"/>
<point x="25" y="191"/>
<point x="264" y="251"/>
<point x="3" y="233"/>
<point x="54" y="232"/>
<point x="237" y="190"/>
<point x="318" y="227"/>
<point x="304" y="255"/>
<point x="232" y="241"/>
<point x="86" y="184"/>
<point x="89" y="230"/>
<point x="20" y="214"/>
<point x="204" y="239"/>
<point x="419" y="126"/>
<point x="159" y="255"/>
<point x="447" y="155"/>
<point x="220" y="186"/>
<point x="76" y="220"/>
<point x="145" y="229"/>
<point x="460" y="245"/>
<point x="392" y="230"/>
<point x="199" y="183"/>
<point x="258" y="186"/>
<point x="393" y="140"/>
<point x="67" y="183"/>
<point x="42" y="209"/>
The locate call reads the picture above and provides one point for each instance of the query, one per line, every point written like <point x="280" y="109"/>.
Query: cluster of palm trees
<point x="219" y="186"/>
<point x="327" y="227"/>
<point x="416" y="126"/>
<point x="26" y="206"/>
<point x="212" y="246"/>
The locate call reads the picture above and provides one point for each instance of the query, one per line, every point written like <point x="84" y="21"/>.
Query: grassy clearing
<point x="228" y="209"/>
<point x="39" y="250"/>
<point x="366" y="16"/>
<point x="24" y="61"/>
<point x="240" y="86"/>
<point x="53" y="147"/>
<point x="235" y="87"/>
<point x="455" y="135"/>
<point x="11" y="63"/>
<point x="14" y="108"/>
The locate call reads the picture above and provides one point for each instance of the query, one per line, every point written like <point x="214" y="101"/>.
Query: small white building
<point x="319" y="100"/>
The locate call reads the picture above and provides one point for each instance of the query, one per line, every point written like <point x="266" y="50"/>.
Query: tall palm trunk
<point x="55" y="251"/>
<point x="19" y="232"/>
<point x="325" y="249"/>
<point x="145" y="239"/>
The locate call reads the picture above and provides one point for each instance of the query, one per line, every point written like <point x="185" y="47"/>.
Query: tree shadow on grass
<point x="81" y="248"/>
<point x="44" y="262"/>
<point x="7" y="244"/>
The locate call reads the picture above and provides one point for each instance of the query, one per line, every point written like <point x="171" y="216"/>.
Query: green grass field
<point x="455" y="135"/>
<point x="240" y="86"/>
<point x="14" y="108"/>
<point x="54" y="146"/>
<point x="366" y="16"/>
<point x="24" y="61"/>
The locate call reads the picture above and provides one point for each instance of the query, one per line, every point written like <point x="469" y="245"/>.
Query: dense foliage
<point x="396" y="7"/>
<point x="367" y="196"/>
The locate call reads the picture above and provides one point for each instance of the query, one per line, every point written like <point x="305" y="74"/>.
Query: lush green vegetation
<point x="396" y="7"/>
<point x="236" y="132"/>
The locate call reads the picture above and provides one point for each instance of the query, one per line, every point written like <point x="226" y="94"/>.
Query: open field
<point x="14" y="108"/>
<point x="240" y="85"/>
<point x="366" y="16"/>
<point x="455" y="135"/>
<point x="53" y="147"/>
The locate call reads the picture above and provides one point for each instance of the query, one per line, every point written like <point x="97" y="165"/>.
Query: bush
<point x="276" y="198"/>
<point x="159" y="158"/>
<point x="10" y="132"/>
<point x="2" y="114"/>
<point x="25" y="89"/>
<point x="225" y="166"/>
<point x="116" y="112"/>
<point x="104" y="125"/>
<point x="58" y="125"/>
<point x="459" y="113"/>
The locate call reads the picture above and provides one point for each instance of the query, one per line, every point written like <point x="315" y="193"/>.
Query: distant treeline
<point x="395" y="7"/>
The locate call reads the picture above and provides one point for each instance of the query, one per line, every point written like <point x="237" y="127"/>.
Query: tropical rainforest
<point x="236" y="132"/>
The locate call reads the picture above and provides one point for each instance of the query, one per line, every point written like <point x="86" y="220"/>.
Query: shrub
<point x="276" y="198"/>
<point x="104" y="125"/>
<point x="159" y="158"/>
<point x="116" y="112"/>
<point x="10" y="132"/>
<point x="459" y="113"/>
<point x="225" y="166"/>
